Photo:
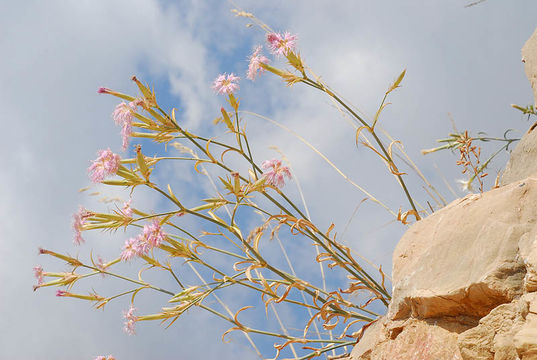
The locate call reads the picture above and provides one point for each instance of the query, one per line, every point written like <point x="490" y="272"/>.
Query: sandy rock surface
<point x="529" y="58"/>
<point x="464" y="283"/>
<point x="523" y="161"/>
<point x="464" y="259"/>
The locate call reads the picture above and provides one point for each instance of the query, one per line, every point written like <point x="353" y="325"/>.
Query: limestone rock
<point x="525" y="336"/>
<point x="409" y="339"/>
<point x="372" y="336"/>
<point x="523" y="160"/>
<point x="529" y="57"/>
<point x="528" y="254"/>
<point x="464" y="283"/>
<point x="508" y="332"/>
<point x="464" y="259"/>
<point x="492" y="338"/>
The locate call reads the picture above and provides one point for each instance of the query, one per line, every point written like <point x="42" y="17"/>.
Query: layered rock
<point x="508" y="332"/>
<point x="463" y="259"/>
<point x="464" y="281"/>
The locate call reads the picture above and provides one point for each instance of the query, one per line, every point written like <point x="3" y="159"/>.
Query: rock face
<point x="463" y="259"/>
<point x="522" y="162"/>
<point x="464" y="283"/>
<point x="465" y="278"/>
<point x="529" y="57"/>
<point x="508" y="332"/>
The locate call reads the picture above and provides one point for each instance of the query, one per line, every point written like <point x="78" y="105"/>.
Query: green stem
<point x="373" y="133"/>
<point x="130" y="280"/>
<point x="123" y="293"/>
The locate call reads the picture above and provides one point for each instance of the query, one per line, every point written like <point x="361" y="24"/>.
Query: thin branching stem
<point x="372" y="131"/>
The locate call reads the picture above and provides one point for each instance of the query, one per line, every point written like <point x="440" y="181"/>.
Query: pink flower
<point x="275" y="175"/>
<point x="130" y="320"/>
<point x="61" y="293"/>
<point x="38" y="273"/>
<point x="102" y="357"/>
<point x="151" y="236"/>
<point x="255" y="59"/>
<point x="281" y="45"/>
<point x="153" y="233"/>
<point x="123" y="115"/>
<point x="79" y="219"/>
<point x="226" y="84"/>
<point x="103" y="90"/>
<point x="130" y="249"/>
<point x="107" y="163"/>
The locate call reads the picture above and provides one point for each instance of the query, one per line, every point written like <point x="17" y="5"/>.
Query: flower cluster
<point x="106" y="164"/>
<point x="281" y="44"/>
<point x="151" y="236"/>
<point x="226" y="84"/>
<point x="130" y="320"/>
<point x="275" y="172"/>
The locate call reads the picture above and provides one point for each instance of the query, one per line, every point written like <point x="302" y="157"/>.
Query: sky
<point x="463" y="64"/>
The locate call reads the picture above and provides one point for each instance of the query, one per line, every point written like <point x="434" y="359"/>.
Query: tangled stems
<point x="385" y="298"/>
<point x="330" y="307"/>
<point x="259" y="258"/>
<point x="288" y="277"/>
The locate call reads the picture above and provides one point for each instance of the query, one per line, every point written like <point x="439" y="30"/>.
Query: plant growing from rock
<point x="229" y="250"/>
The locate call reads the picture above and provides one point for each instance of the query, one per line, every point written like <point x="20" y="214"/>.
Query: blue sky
<point x="460" y="61"/>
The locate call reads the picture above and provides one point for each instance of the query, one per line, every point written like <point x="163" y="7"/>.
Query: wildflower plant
<point x="470" y="154"/>
<point x="230" y="253"/>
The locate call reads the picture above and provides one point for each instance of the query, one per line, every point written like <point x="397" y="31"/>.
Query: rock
<point x="529" y="58"/>
<point x="372" y="336"/>
<point x="409" y="339"/>
<point x="464" y="283"/>
<point x="528" y="254"/>
<point x="464" y="259"/>
<point x="525" y="336"/>
<point x="494" y="334"/>
<point x="523" y="160"/>
<point x="508" y="332"/>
